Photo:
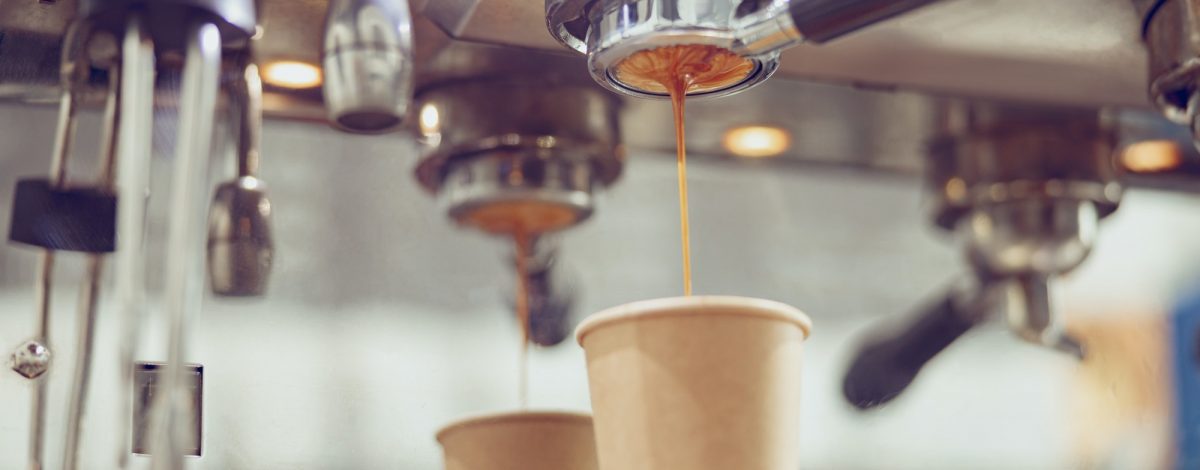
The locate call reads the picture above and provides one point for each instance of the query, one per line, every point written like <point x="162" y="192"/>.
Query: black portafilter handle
<point x="886" y="365"/>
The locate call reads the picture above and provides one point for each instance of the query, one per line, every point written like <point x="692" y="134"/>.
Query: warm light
<point x="292" y="74"/>
<point x="757" y="141"/>
<point x="429" y="121"/>
<point x="1152" y="156"/>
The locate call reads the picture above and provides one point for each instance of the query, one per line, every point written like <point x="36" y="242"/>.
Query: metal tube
<point x="89" y="294"/>
<point x="250" y="143"/>
<point x="133" y="173"/>
<point x="43" y="288"/>
<point x="197" y="114"/>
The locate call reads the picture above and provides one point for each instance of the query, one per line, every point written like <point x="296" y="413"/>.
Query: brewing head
<point x="514" y="156"/>
<point x="240" y="247"/>
<point x="613" y="32"/>
<point x="368" y="61"/>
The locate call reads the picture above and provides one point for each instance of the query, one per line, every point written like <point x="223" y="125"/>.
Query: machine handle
<point x="886" y="366"/>
<point x="824" y="20"/>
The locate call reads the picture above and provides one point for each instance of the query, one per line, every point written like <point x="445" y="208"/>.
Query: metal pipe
<point x="197" y="111"/>
<point x="43" y="287"/>
<point x="250" y="129"/>
<point x="133" y="173"/>
<point x="89" y="294"/>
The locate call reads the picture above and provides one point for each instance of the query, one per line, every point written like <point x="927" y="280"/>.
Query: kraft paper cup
<point x="520" y="441"/>
<point x="696" y="383"/>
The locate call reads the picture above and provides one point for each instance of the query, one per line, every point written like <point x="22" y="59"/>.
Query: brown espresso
<point x="522" y="221"/>
<point x="679" y="71"/>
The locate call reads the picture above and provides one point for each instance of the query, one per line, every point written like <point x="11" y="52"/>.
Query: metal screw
<point x="31" y="359"/>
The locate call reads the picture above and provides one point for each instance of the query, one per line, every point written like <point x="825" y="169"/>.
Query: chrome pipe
<point x="134" y="137"/>
<point x="368" y="59"/>
<point x="43" y="288"/>
<point x="89" y="295"/>
<point x="198" y="105"/>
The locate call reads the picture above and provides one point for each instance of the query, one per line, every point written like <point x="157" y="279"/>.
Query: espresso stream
<point x="674" y="70"/>
<point x="678" y="71"/>
<point x="522" y="221"/>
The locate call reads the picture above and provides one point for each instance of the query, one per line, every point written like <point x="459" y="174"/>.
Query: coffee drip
<point x="679" y="71"/>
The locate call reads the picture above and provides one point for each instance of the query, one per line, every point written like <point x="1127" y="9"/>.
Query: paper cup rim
<point x="511" y="416"/>
<point x="670" y="306"/>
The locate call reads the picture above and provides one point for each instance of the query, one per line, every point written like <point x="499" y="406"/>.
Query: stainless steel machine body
<point x="608" y="31"/>
<point x="502" y="117"/>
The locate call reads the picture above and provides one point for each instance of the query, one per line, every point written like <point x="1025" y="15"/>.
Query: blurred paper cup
<point x="696" y="383"/>
<point x="520" y="441"/>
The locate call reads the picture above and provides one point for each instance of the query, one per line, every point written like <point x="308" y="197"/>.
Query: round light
<point x="757" y="141"/>
<point x="292" y="74"/>
<point x="429" y="120"/>
<point x="1152" y="156"/>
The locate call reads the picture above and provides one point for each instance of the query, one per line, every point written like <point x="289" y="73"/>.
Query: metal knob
<point x="368" y="62"/>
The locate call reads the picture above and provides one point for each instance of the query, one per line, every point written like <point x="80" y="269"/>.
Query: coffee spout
<point x="1031" y="316"/>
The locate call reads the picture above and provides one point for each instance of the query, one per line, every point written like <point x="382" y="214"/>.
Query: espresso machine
<point x="407" y="140"/>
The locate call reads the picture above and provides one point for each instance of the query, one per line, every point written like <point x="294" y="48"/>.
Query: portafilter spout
<point x="240" y="246"/>
<point x="608" y="31"/>
<point x="368" y="61"/>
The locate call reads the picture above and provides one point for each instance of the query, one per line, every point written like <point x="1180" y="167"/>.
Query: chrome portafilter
<point x="1025" y="188"/>
<point x="503" y="156"/>
<point x="609" y="31"/>
<point x="513" y="149"/>
<point x="368" y="59"/>
<point x="240" y="246"/>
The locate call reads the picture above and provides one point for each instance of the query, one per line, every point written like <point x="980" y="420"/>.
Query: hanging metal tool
<point x="240" y="247"/>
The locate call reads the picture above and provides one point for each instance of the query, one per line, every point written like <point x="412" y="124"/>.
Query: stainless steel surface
<point x="608" y="31"/>
<point x="134" y="148"/>
<point x="369" y="62"/>
<point x="517" y="140"/>
<point x="240" y="249"/>
<point x="1050" y="236"/>
<point x="240" y="246"/>
<point x="198" y="104"/>
<point x="1000" y="152"/>
<point x="619" y="28"/>
<point x="1071" y="51"/>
